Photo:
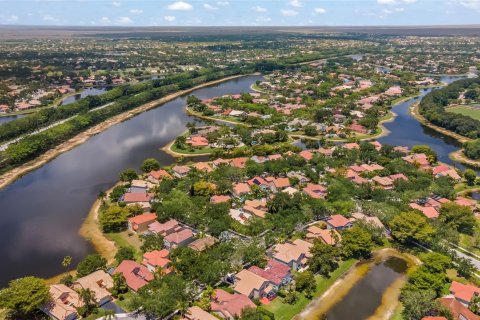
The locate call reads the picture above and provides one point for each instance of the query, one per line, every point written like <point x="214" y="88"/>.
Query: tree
<point x="180" y="142"/>
<point x="457" y="217"/>
<point x="470" y="176"/>
<point x="119" y="284"/>
<point x="431" y="155"/>
<point x="310" y="131"/>
<point x="410" y="226"/>
<point x="416" y="303"/>
<point x="149" y="165"/>
<point x="89" y="303"/>
<point x="435" y="262"/>
<point x="253" y="314"/>
<point x="474" y="305"/>
<point x="66" y="262"/>
<point x="465" y="267"/>
<point x="324" y="258"/>
<point x="91" y="263"/>
<point x="203" y="188"/>
<point x="114" y="219"/>
<point x="254" y="254"/>
<point x="356" y="242"/>
<point x="125" y="253"/>
<point x="128" y="175"/>
<point x="151" y="242"/>
<point x="24" y="296"/>
<point x="424" y="279"/>
<point x="305" y="282"/>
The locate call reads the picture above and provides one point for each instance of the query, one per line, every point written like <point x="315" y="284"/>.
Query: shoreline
<point x="414" y="111"/>
<point x="459" y="156"/>
<point x="344" y="284"/>
<point x="16" y="173"/>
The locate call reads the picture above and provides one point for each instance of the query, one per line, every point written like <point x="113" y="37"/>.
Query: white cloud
<point x="288" y="13"/>
<point x="319" y="10"/>
<point x="223" y="3"/>
<point x="295" y="3"/>
<point x="259" y="9"/>
<point x="393" y="2"/>
<point x="180" y="6"/>
<point x="471" y="4"/>
<point x="47" y="17"/>
<point x="170" y="18"/>
<point x="124" y="20"/>
<point x="116" y="4"/>
<point x="136" y="11"/>
<point x="12" y="18"/>
<point x="105" y="20"/>
<point x="209" y="6"/>
<point x="263" y="19"/>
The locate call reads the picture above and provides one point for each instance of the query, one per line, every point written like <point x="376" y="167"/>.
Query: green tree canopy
<point x="150" y="164"/>
<point x="91" y="263"/>
<point x="24" y="296"/>
<point x="356" y="242"/>
<point x="410" y="226"/>
<point x="458" y="217"/>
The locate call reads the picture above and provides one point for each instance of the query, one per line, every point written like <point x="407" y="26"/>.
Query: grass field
<point x="285" y="311"/>
<point x="472" y="111"/>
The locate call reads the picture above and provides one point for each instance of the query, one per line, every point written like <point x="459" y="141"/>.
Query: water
<point x="405" y="130"/>
<point x="41" y="213"/>
<point x="85" y="93"/>
<point x="6" y="119"/>
<point x="366" y="295"/>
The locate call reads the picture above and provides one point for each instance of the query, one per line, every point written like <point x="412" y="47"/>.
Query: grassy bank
<point x="472" y="111"/>
<point x="285" y="311"/>
<point x="459" y="156"/>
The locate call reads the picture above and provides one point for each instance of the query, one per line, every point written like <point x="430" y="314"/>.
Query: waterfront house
<point x="63" y="303"/>
<point x="136" y="275"/>
<point x="99" y="282"/>
<point x="140" y="223"/>
<point x="253" y="285"/>
<point x="180" y="171"/>
<point x="197" y="141"/>
<point x="458" y="310"/>
<point x="463" y="292"/>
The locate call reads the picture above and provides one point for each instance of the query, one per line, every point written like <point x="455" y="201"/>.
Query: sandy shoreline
<point x="51" y="154"/>
<point x="342" y="286"/>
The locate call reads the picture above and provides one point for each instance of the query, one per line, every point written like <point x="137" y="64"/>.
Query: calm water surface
<point x="11" y="118"/>
<point x="366" y="295"/>
<point x="41" y="213"/>
<point x="85" y="93"/>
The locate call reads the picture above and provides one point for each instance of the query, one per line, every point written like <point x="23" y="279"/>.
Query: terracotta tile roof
<point x="288" y="252"/>
<point x="160" y="174"/>
<point x="99" y="282"/>
<point x="203" y="166"/>
<point x="459" y="311"/>
<point x="338" y="221"/>
<point x="196" y="313"/>
<point x="219" y="199"/>
<point x="241" y="188"/>
<point x="326" y="236"/>
<point x="63" y="303"/>
<point x="462" y="291"/>
<point x="179" y="236"/>
<point x="135" y="274"/>
<point x="156" y="258"/>
<point x="143" y="218"/>
<point x="429" y="212"/>
<point x="202" y="243"/>
<point x="230" y="305"/>
<point x="137" y="197"/>
<point x="247" y="282"/>
<point x="274" y="271"/>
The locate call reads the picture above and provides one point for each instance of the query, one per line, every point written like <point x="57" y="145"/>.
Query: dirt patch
<point x="459" y="156"/>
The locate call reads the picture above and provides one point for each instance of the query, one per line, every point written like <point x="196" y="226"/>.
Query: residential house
<point x="158" y="176"/>
<point x="136" y="275"/>
<point x="219" y="199"/>
<point x="294" y="254"/>
<point x="315" y="191"/>
<point x="278" y="184"/>
<point x="260" y="182"/>
<point x="418" y="159"/>
<point x="327" y="236"/>
<point x="202" y="243"/>
<point x="203" y="166"/>
<point x="230" y="306"/>
<point x="140" y="223"/>
<point x="276" y="272"/>
<point x="253" y="285"/>
<point x="383" y="182"/>
<point x="196" y="313"/>
<point x="99" y="282"/>
<point x="197" y="141"/>
<point x="177" y="239"/>
<point x="239" y="215"/>
<point x="368" y="219"/>
<point x="240" y="189"/>
<point x="338" y="222"/>
<point x="463" y="292"/>
<point x="429" y="212"/>
<point x="458" y="310"/>
<point x="63" y="303"/>
<point x="180" y="171"/>
<point x="157" y="259"/>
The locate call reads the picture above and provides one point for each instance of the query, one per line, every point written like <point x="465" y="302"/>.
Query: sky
<point x="239" y="12"/>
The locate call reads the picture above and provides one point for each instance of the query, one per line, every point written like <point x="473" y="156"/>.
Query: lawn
<point x="284" y="311"/>
<point x="397" y="314"/>
<point x="192" y="150"/>
<point x="124" y="239"/>
<point x="471" y="111"/>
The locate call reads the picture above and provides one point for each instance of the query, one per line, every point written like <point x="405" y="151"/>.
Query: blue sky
<point x="238" y="12"/>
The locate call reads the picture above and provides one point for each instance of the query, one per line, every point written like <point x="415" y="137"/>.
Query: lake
<point x="42" y="212"/>
<point x="85" y="93"/>
<point x="6" y="119"/>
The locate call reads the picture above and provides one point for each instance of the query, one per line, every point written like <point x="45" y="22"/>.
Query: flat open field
<point x="472" y="111"/>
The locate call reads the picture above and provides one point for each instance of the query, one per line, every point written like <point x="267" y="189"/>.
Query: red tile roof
<point x="156" y="258"/>
<point x="143" y="218"/>
<point x="459" y="311"/>
<point x="462" y="291"/>
<point x="338" y="221"/>
<point x="231" y="305"/>
<point x="274" y="271"/>
<point x="136" y="275"/>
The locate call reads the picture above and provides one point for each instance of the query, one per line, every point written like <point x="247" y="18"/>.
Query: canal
<point x="41" y="213"/>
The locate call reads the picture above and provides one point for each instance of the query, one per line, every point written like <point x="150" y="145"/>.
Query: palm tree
<point x="109" y="315"/>
<point x="66" y="262"/>
<point x="88" y="298"/>
<point x="182" y="307"/>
